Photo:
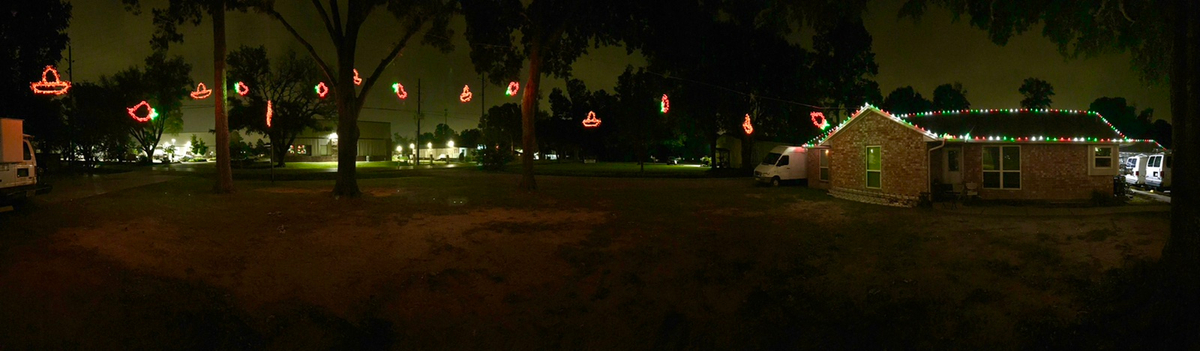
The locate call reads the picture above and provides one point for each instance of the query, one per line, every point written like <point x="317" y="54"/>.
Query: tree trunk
<point x="224" y="183"/>
<point x="528" y="116"/>
<point x="1181" y="255"/>
<point x="347" y="132"/>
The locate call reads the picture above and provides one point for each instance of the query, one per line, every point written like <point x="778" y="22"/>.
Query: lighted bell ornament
<point x="399" y="89"/>
<point x="747" y="126"/>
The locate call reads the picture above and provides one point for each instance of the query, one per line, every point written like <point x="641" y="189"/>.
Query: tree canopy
<point x="950" y="97"/>
<point x="287" y="84"/>
<point x="32" y="36"/>
<point x="1037" y="93"/>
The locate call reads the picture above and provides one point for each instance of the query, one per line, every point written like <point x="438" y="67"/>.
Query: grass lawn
<point x="463" y="260"/>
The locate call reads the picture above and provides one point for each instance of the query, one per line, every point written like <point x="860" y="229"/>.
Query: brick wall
<point x="904" y="157"/>
<point x="813" y="164"/>
<point x="1054" y="172"/>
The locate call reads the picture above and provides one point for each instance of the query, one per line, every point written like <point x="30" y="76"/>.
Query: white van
<point x="1135" y="170"/>
<point x="783" y="163"/>
<point x="1158" y="171"/>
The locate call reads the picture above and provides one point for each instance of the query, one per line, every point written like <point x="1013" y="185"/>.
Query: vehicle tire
<point x="775" y="181"/>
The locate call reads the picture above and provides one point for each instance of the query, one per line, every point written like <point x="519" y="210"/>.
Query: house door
<point x="952" y="167"/>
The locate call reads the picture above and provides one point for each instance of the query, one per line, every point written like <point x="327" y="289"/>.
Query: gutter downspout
<point x="928" y="164"/>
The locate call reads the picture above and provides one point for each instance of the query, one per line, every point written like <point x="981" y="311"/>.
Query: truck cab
<point x="18" y="164"/>
<point x="783" y="163"/>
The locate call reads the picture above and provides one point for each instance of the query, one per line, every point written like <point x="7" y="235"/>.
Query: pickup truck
<point x="18" y="164"/>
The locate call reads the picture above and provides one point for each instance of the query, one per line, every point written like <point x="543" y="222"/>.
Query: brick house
<point x="1038" y="155"/>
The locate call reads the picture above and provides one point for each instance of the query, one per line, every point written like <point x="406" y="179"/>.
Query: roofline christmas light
<point x="903" y="118"/>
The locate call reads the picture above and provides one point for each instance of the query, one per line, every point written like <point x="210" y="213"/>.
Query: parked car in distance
<point x="1135" y="170"/>
<point x="783" y="163"/>
<point x="1158" y="171"/>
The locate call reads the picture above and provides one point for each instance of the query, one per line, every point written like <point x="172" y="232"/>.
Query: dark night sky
<point x="924" y="55"/>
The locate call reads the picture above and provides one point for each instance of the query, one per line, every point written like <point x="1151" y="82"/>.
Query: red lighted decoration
<point x="242" y="88"/>
<point x="591" y="121"/>
<point x="357" y="80"/>
<point x="818" y="119"/>
<point x="466" y="94"/>
<point x="321" y="89"/>
<point x="666" y="104"/>
<point x="202" y="92"/>
<point x="399" y="89"/>
<point x="513" y="87"/>
<point x="746" y="125"/>
<point x="150" y="113"/>
<point x="48" y="87"/>
<point x="270" y="113"/>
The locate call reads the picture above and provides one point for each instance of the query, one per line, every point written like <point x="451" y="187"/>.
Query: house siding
<point x="904" y="161"/>
<point x="1051" y="172"/>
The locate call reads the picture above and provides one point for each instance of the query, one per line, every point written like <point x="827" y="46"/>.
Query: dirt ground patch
<point x="463" y="260"/>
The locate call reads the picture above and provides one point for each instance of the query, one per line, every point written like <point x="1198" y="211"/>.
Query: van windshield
<point x="771" y="159"/>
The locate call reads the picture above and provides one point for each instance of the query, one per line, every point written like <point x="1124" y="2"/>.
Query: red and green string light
<point x="904" y="118"/>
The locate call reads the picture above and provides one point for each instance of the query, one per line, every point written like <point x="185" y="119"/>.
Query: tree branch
<point x="316" y="57"/>
<point x="334" y="32"/>
<point x="412" y="30"/>
<point x="337" y="17"/>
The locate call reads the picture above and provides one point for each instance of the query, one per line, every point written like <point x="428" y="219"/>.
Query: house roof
<point x="1014" y="125"/>
<point x="865" y="110"/>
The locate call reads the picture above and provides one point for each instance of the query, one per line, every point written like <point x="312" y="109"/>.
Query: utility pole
<point x="419" y="117"/>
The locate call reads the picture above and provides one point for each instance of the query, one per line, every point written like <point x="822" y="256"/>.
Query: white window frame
<point x="823" y="165"/>
<point x="867" y="166"/>
<point x="1113" y="156"/>
<point x="1001" y="171"/>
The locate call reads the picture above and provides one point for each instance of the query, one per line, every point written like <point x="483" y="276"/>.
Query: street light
<point x="412" y="146"/>
<point x="430" y="145"/>
<point x="450" y="144"/>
